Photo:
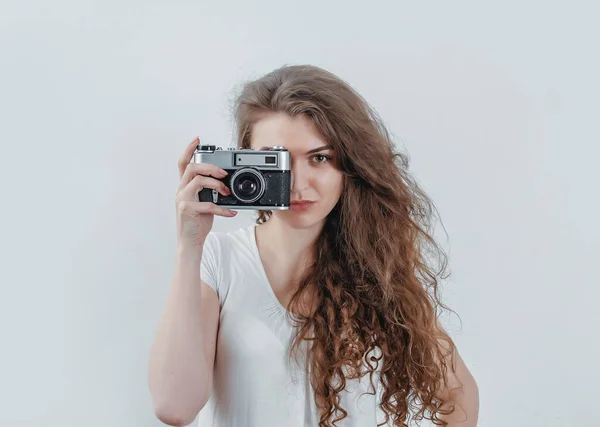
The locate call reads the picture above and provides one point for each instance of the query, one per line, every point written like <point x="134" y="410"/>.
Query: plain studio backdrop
<point x="496" y="104"/>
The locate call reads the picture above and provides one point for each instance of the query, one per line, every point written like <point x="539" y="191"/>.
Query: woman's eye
<point x="323" y="158"/>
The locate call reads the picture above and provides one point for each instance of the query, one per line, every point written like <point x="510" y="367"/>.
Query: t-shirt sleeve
<point x="209" y="268"/>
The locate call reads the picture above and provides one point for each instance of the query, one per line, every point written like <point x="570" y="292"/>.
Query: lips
<point x="301" y="205"/>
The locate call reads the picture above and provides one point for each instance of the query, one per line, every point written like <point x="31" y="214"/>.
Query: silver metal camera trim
<point x="253" y="171"/>
<point x="255" y="208"/>
<point x="225" y="159"/>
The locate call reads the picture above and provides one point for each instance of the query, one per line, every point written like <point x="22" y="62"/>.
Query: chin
<point x="298" y="219"/>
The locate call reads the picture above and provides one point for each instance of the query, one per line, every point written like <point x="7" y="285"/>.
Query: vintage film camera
<point x="258" y="179"/>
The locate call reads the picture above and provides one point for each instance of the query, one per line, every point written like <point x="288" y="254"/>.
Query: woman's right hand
<point x="195" y="218"/>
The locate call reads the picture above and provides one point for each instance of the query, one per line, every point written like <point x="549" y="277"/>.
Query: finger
<point x="205" y="208"/>
<point x="200" y="169"/>
<point x="200" y="182"/>
<point x="220" y="211"/>
<point x="185" y="158"/>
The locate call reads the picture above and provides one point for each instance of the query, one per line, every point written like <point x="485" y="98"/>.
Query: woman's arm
<point x="461" y="391"/>
<point x="180" y="370"/>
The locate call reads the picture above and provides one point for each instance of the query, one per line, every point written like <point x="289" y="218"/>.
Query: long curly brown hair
<point x="372" y="283"/>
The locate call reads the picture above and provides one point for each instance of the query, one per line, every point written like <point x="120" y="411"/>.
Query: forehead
<point x="296" y="133"/>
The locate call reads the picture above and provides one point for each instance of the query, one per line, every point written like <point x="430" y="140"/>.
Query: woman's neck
<point x="288" y="245"/>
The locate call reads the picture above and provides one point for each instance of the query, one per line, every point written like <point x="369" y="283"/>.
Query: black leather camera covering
<point x="277" y="190"/>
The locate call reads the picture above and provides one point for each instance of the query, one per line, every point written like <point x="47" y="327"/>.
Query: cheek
<point x="330" y="185"/>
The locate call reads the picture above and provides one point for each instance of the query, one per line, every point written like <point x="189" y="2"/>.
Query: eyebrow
<point x="314" y="150"/>
<point x="324" y="147"/>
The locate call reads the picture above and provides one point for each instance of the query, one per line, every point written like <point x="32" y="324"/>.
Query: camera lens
<point x="247" y="185"/>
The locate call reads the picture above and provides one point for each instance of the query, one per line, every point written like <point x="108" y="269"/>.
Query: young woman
<point x="317" y="315"/>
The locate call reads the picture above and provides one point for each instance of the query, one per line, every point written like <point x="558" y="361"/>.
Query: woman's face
<point x="315" y="177"/>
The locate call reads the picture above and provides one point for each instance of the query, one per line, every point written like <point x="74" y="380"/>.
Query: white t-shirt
<point x="256" y="384"/>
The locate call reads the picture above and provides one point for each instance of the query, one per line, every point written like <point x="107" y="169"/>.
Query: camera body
<point x="258" y="179"/>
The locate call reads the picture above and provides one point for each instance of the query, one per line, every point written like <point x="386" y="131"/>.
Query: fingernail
<point x="233" y="213"/>
<point x="223" y="171"/>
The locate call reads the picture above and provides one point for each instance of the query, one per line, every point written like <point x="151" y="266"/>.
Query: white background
<point x="496" y="104"/>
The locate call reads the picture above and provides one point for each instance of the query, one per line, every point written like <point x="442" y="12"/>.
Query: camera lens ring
<point x="261" y="183"/>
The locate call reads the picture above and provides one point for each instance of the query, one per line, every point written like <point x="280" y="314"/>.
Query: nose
<point x="299" y="180"/>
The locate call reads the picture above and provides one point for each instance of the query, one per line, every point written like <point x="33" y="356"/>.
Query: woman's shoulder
<point x="230" y="241"/>
<point x="224" y="254"/>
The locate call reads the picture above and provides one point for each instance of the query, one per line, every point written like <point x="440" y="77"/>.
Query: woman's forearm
<point x="178" y="380"/>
